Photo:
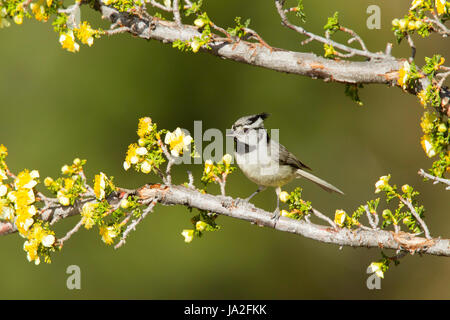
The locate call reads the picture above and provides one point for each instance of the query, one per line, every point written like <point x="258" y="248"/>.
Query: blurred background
<point x="57" y="105"/>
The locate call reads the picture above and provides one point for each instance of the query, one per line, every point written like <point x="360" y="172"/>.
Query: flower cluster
<point x="217" y="173"/>
<point x="435" y="122"/>
<point x="402" y="213"/>
<point x="70" y="187"/>
<point x="103" y="186"/>
<point x="18" y="205"/>
<point x="146" y="155"/>
<point x="203" y="222"/>
<point x="298" y="208"/>
<point x="178" y="142"/>
<point x="417" y="20"/>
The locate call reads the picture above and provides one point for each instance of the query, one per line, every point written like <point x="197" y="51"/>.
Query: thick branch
<point x="239" y="209"/>
<point x="383" y="71"/>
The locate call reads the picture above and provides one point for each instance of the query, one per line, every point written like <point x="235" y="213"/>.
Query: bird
<point x="265" y="161"/>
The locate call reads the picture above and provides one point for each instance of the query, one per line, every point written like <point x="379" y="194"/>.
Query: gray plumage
<point x="265" y="161"/>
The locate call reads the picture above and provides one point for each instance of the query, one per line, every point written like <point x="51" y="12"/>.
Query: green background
<point x="56" y="106"/>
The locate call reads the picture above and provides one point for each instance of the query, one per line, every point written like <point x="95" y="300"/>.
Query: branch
<point x="381" y="68"/>
<point x="238" y="209"/>
<point x="435" y="179"/>
<point x="382" y="71"/>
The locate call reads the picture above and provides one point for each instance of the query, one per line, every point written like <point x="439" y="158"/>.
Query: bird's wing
<point x="287" y="158"/>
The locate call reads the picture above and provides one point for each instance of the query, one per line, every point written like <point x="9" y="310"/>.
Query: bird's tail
<point x="321" y="183"/>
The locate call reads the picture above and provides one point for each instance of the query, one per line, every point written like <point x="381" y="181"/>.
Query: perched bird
<point x="266" y="162"/>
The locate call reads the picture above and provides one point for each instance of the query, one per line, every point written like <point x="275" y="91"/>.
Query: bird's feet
<point x="276" y="215"/>
<point x="240" y="201"/>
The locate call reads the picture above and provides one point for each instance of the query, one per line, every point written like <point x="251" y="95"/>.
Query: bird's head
<point x="247" y="127"/>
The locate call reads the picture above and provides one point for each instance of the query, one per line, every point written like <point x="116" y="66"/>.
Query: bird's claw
<point x="276" y="215"/>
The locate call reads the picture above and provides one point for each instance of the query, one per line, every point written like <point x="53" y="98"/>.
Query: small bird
<point x="266" y="162"/>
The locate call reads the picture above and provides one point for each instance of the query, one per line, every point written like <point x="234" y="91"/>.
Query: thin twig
<point x="434" y="178"/>
<point x="416" y="215"/>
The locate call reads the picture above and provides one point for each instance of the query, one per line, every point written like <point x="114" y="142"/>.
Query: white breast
<point x="260" y="168"/>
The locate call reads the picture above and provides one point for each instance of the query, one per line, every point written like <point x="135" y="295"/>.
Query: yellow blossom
<point x="377" y="268"/>
<point x="382" y="183"/>
<point x="201" y="225"/>
<point x="284" y="196"/>
<point x="85" y="33"/>
<point x="403" y="75"/>
<point x="3" y="175"/>
<point x="21" y="197"/>
<point x="177" y="141"/>
<point x="87" y="213"/>
<point x="48" y="181"/>
<point x="144" y="126"/>
<point x="405" y="188"/>
<point x="67" y="41"/>
<point x="427" y="146"/>
<point x="38" y="10"/>
<point x="108" y="234"/>
<point x="339" y="217"/>
<point x="442" y="128"/>
<point x="188" y="235"/>
<point x="427" y="122"/>
<point x="422" y="95"/>
<point x="100" y="186"/>
<point x="3" y="150"/>
<point x="31" y="247"/>
<point x="18" y="19"/>
<point x="26" y="179"/>
<point x="132" y="157"/>
<point x="415" y="4"/>
<point x="440" y="6"/>
<point x="125" y="204"/>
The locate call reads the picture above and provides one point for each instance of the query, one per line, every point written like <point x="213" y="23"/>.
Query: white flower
<point x="3" y="175"/>
<point x="62" y="198"/>
<point x="28" y="223"/>
<point x="34" y="174"/>
<point x="126" y="165"/>
<point x="188" y="235"/>
<point x="3" y="190"/>
<point x="284" y="196"/>
<point x="146" y="167"/>
<point x="141" y="151"/>
<point x="177" y="141"/>
<point x="381" y="183"/>
<point x="65" y="169"/>
<point x="48" y="240"/>
<point x="208" y="166"/>
<point x="227" y="158"/>
<point x="376" y="267"/>
<point x="32" y="210"/>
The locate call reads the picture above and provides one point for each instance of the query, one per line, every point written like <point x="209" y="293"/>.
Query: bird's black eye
<point x="245" y="130"/>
